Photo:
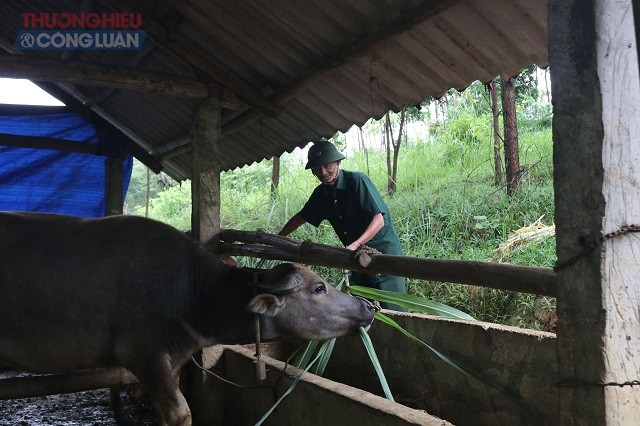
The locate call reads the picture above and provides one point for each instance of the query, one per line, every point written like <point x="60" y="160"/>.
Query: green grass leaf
<point x="376" y="363"/>
<point x="304" y="358"/>
<point x="266" y="415"/>
<point x="415" y="303"/>
<point x="325" y="355"/>
<point x="387" y="320"/>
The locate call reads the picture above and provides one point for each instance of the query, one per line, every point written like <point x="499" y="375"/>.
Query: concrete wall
<point x="523" y="362"/>
<point x="314" y="401"/>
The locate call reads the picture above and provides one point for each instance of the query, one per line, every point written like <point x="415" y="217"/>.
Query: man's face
<point x="327" y="173"/>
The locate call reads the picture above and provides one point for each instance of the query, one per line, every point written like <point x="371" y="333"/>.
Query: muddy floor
<point x="74" y="409"/>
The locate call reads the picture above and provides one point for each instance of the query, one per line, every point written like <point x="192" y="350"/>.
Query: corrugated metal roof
<point x="328" y="64"/>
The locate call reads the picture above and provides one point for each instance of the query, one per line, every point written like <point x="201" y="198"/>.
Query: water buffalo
<point x="132" y="292"/>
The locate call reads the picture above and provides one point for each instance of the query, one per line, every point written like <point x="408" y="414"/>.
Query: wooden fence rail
<point x="53" y="384"/>
<point x="525" y="279"/>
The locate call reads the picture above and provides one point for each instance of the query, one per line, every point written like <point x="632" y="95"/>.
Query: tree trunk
<point x="511" y="152"/>
<point x="497" y="159"/>
<point x="396" y="152"/>
<point x="546" y="84"/>
<point x="363" y="148"/>
<point x="275" y="175"/>
<point x="388" y="137"/>
<point x="147" y="194"/>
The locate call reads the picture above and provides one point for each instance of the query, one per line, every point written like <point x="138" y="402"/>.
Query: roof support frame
<point x="163" y="38"/>
<point x="402" y="23"/>
<point x="134" y="144"/>
<point x="37" y="142"/>
<point x="84" y="73"/>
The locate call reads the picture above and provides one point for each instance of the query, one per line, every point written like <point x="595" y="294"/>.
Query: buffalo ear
<point x="266" y="304"/>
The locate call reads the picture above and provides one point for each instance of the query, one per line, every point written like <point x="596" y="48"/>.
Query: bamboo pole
<point x="525" y="279"/>
<point x="32" y="386"/>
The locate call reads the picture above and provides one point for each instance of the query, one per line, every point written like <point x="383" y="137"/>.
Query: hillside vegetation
<point x="446" y="205"/>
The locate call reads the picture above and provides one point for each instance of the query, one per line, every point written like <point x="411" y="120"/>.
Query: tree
<point x="392" y="165"/>
<point x="495" y="113"/>
<point x="526" y="84"/>
<point x="363" y="148"/>
<point x="511" y="151"/>
<point x="275" y="175"/>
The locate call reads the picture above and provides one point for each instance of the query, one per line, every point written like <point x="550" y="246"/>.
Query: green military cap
<point x="321" y="153"/>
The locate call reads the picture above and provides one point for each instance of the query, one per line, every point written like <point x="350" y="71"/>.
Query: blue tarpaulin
<point x="47" y="180"/>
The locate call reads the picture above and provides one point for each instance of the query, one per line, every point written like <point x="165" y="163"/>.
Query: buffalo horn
<point x="278" y="280"/>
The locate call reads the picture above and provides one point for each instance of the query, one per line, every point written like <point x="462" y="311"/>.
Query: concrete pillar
<point x="596" y="104"/>
<point x="205" y="226"/>
<point x="206" y="168"/>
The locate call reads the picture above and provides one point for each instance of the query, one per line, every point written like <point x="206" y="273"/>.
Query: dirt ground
<point x="74" y="409"/>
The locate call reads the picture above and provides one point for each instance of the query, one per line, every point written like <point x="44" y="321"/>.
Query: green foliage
<point x="417" y="304"/>
<point x="446" y="205"/>
<point x="527" y="84"/>
<point x="172" y="206"/>
<point x="137" y="193"/>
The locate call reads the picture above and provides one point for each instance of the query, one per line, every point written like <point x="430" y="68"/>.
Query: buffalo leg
<point x="166" y="396"/>
<point x="119" y="411"/>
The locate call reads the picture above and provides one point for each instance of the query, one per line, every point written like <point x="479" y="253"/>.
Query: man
<point x="356" y="211"/>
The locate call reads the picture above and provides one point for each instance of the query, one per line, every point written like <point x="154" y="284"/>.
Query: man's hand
<point x="353" y="246"/>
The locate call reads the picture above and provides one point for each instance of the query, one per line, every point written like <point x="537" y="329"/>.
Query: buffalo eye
<point x="320" y="288"/>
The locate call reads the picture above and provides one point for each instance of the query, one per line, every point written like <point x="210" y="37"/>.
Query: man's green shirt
<point x="349" y="207"/>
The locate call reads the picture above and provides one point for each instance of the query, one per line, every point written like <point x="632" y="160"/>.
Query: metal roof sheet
<point x="328" y="64"/>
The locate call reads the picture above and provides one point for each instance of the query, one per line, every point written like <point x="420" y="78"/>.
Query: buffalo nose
<point x="373" y="306"/>
<point x="370" y="305"/>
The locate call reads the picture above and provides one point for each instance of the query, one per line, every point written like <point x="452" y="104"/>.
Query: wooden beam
<point x="37" y="142"/>
<point x="74" y="72"/>
<point x="596" y="98"/>
<point x="133" y="62"/>
<point x="404" y="22"/>
<point x="207" y="68"/>
<point x="33" y="386"/>
<point x="176" y="151"/>
<point x="114" y="186"/>
<point x="167" y="147"/>
<point x="502" y="276"/>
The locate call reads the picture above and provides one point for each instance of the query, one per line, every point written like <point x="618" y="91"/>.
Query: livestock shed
<point x="199" y="87"/>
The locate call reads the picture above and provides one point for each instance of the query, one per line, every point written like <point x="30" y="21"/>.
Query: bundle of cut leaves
<point x="526" y="235"/>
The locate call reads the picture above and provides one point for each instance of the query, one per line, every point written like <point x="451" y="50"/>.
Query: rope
<point x="225" y="380"/>
<point x="282" y="373"/>
<point x="577" y="383"/>
<point x="625" y="229"/>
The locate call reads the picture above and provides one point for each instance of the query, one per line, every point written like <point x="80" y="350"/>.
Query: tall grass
<point x="446" y="206"/>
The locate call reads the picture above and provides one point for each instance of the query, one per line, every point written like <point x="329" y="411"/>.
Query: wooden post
<point x="596" y="100"/>
<point x="205" y="182"/>
<point x="114" y="186"/>
<point x="205" y="225"/>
